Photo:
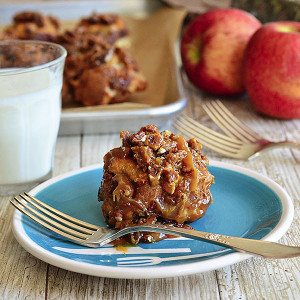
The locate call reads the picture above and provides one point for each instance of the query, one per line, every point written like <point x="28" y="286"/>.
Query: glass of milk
<point x="31" y="75"/>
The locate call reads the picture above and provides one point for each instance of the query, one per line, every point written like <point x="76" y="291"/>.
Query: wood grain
<point x="21" y="275"/>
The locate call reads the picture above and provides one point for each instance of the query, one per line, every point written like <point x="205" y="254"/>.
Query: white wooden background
<point x="23" y="276"/>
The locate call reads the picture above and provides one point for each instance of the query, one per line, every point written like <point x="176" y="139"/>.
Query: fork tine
<point x="248" y="131"/>
<point x="211" y="139"/>
<point x="135" y="262"/>
<point x="18" y="206"/>
<point x="40" y="218"/>
<point x="65" y="216"/>
<point x="229" y="123"/>
<point x="204" y="140"/>
<point x="48" y="212"/>
<point x="209" y="132"/>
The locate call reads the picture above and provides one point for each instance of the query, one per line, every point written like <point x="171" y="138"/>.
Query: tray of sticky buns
<point x="121" y="68"/>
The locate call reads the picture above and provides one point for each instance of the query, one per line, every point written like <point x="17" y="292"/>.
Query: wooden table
<point x="24" y="276"/>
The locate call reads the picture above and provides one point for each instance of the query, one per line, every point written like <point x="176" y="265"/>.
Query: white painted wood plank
<point x="94" y="147"/>
<point x="67" y="154"/>
<point x="21" y="275"/>
<point x="67" y="158"/>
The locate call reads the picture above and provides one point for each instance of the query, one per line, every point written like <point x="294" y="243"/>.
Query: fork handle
<point x="271" y="145"/>
<point x="282" y="144"/>
<point x="264" y="146"/>
<point x="257" y="247"/>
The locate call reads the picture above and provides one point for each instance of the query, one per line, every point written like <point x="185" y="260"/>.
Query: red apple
<point x="272" y="69"/>
<point x="212" y="49"/>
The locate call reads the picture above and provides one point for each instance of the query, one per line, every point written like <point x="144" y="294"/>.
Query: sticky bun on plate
<point x="154" y="177"/>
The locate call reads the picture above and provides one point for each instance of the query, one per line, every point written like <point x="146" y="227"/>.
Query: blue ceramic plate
<point x="246" y="204"/>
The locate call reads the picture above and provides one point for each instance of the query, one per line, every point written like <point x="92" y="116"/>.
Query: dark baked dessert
<point x="110" y="26"/>
<point x="32" y="26"/>
<point x="96" y="72"/>
<point x="155" y="177"/>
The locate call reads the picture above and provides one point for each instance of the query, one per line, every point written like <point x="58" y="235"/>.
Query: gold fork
<point x="216" y="141"/>
<point x="234" y="128"/>
<point x="248" y="147"/>
<point x="90" y="235"/>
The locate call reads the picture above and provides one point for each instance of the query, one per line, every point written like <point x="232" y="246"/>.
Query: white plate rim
<point x="154" y="272"/>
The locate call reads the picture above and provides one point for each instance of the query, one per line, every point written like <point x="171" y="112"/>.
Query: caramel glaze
<point x="111" y="26"/>
<point x="96" y="72"/>
<point x="155" y="177"/>
<point x="30" y="25"/>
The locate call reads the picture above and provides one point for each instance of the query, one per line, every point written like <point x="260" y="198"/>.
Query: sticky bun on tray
<point x="96" y="72"/>
<point x="110" y="26"/>
<point x="154" y="177"/>
<point x="30" y="25"/>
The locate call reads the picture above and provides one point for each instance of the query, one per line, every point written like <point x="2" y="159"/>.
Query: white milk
<point x="29" y="120"/>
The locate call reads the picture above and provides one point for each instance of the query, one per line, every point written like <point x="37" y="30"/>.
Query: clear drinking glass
<point x="31" y="75"/>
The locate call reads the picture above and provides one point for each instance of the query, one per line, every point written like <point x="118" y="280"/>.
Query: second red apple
<point x="212" y="49"/>
<point x="272" y="69"/>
